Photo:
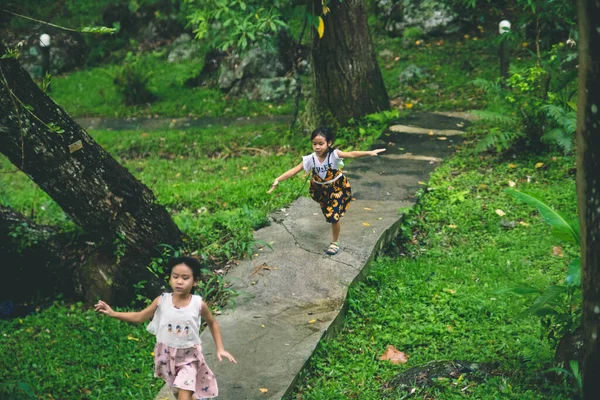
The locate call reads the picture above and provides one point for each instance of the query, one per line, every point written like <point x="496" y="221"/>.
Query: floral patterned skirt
<point x="334" y="198"/>
<point x="185" y="369"/>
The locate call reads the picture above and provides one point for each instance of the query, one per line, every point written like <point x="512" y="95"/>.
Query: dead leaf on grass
<point x="394" y="355"/>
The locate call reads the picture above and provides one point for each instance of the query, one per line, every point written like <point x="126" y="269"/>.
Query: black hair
<point x="325" y="133"/>
<point x="194" y="265"/>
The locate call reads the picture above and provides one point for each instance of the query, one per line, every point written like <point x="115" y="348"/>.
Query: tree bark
<point x="101" y="196"/>
<point x="588" y="188"/>
<point x="347" y="82"/>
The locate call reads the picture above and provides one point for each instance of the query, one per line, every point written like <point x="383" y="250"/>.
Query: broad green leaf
<point x="520" y="290"/>
<point x="562" y="228"/>
<point x="574" y="273"/>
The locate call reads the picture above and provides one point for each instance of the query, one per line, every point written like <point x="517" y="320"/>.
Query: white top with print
<point x="176" y="327"/>
<point x="335" y="162"/>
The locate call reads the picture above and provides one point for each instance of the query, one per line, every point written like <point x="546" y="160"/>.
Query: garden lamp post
<point x="504" y="27"/>
<point x="45" y="46"/>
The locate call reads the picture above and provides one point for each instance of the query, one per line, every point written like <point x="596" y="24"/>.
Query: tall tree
<point x="120" y="213"/>
<point x="346" y="80"/>
<point x="588" y="188"/>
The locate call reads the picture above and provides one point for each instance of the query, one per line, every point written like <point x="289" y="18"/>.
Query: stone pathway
<point x="293" y="295"/>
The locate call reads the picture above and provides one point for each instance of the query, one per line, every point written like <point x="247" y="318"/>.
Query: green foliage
<point x="565" y="126"/>
<point x="132" y="83"/>
<point x="237" y="23"/>
<point x="68" y="352"/>
<point x="557" y="306"/>
<point x="413" y="33"/>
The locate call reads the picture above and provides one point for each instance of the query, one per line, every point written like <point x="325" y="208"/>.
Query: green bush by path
<point x="438" y="300"/>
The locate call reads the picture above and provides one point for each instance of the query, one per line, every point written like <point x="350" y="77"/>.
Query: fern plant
<point x="557" y="306"/>
<point x="564" y="126"/>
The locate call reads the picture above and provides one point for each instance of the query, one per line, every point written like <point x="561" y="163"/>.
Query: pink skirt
<point x="185" y="369"/>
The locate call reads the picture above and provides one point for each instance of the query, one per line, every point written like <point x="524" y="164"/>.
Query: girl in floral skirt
<point x="176" y="319"/>
<point x="328" y="187"/>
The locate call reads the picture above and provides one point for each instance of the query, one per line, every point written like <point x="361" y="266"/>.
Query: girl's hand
<point x="223" y="353"/>
<point x="103" y="308"/>
<point x="273" y="186"/>
<point x="375" y="152"/>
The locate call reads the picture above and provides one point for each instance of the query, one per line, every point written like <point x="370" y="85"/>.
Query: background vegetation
<point x="436" y="295"/>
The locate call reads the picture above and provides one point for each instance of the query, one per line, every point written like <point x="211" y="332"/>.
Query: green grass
<point x="68" y="352"/>
<point x="92" y="93"/>
<point x="450" y="63"/>
<point x="437" y="300"/>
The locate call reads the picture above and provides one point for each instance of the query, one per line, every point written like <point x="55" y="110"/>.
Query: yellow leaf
<point x="539" y="165"/>
<point x="321" y="28"/>
<point x="500" y="212"/>
<point x="523" y="223"/>
<point x="244" y="168"/>
<point x="512" y="166"/>
<point x="131" y="337"/>
<point x="262" y="326"/>
<point x="366" y="224"/>
<point x="312" y="321"/>
<point x="408" y="105"/>
<point x="466" y="37"/>
<point x="452" y="226"/>
<point x="524" y="44"/>
<point x="442" y="138"/>
<point x="430" y="133"/>
<point x="368" y="209"/>
<point x="511" y="183"/>
<point x="421" y="183"/>
<point x="418" y="42"/>
<point x="263" y="390"/>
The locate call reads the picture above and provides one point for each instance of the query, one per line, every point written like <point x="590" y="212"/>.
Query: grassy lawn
<point x="437" y="298"/>
<point x="434" y="297"/>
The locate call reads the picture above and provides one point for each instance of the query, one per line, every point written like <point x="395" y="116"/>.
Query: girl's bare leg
<point x="335" y="230"/>
<point x="185" y="395"/>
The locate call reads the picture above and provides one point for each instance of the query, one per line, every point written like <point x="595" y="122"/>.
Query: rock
<point x="433" y="17"/>
<point x="184" y="48"/>
<point x="412" y="74"/>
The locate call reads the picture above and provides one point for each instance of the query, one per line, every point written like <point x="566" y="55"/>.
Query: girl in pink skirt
<point x="176" y="317"/>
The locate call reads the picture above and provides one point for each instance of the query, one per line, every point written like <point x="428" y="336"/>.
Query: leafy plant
<point x="557" y="306"/>
<point x="565" y="125"/>
<point x="412" y="33"/>
<point x="132" y="83"/>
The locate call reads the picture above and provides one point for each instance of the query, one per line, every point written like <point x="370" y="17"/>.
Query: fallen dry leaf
<point x="368" y="209"/>
<point x="394" y="355"/>
<point x="442" y="138"/>
<point x="263" y="390"/>
<point x="539" y="165"/>
<point x="430" y="133"/>
<point x="523" y="223"/>
<point x="557" y="251"/>
<point x="500" y="212"/>
<point x="512" y="166"/>
<point x="312" y="321"/>
<point x="452" y="226"/>
<point x="366" y="224"/>
<point x="511" y="183"/>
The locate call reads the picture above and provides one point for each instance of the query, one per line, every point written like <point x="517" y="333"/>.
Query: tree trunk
<point x="100" y="195"/>
<point x="346" y="79"/>
<point x="588" y="188"/>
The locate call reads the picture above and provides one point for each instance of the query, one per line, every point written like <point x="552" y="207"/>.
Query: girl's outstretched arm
<point x="358" y="154"/>
<point x="286" y="175"/>
<point x="215" y="331"/>
<point x="137" y="317"/>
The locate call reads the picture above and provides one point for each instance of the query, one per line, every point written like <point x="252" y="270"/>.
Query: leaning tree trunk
<point x="588" y="188"/>
<point x="100" y="195"/>
<point x="347" y="82"/>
